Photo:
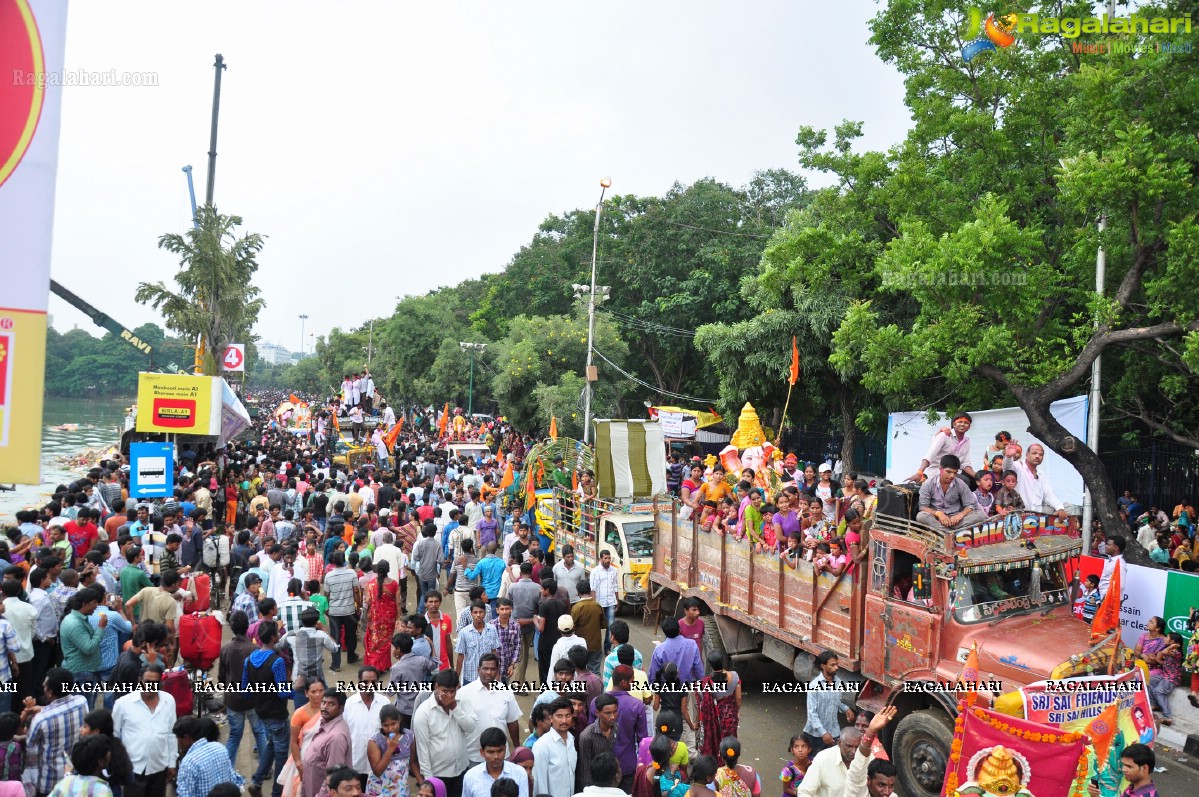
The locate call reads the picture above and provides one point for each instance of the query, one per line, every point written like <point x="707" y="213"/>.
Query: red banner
<point x="1002" y="754"/>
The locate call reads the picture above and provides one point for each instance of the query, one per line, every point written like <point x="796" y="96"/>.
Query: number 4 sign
<point x="235" y="357"/>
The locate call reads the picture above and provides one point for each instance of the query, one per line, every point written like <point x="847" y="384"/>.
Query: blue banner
<point x="151" y="470"/>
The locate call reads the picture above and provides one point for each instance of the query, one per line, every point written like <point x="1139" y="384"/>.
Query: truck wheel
<point x="920" y="750"/>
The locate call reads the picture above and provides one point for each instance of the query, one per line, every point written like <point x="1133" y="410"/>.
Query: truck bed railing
<point x="800" y="606"/>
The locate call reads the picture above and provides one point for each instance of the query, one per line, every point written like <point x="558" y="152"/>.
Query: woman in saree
<point x="719" y="704"/>
<point x="304" y="722"/>
<point x="382" y="611"/>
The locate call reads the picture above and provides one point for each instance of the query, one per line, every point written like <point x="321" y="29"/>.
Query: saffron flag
<point x="970" y="673"/>
<point x="293" y="398"/>
<point x="530" y="490"/>
<point x="553" y="428"/>
<point x="391" y="437"/>
<point x="336" y="423"/>
<point x="1102" y="730"/>
<point x="444" y="420"/>
<point x="995" y="753"/>
<point x="1107" y="616"/>
<point x="794" y="377"/>
<point x="509" y="477"/>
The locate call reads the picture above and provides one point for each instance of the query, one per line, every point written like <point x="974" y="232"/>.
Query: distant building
<point x="274" y="353"/>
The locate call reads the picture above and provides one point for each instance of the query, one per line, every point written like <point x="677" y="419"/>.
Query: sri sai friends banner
<point x="32" y="34"/>
<point x="151" y="470"/>
<point x="1002" y="754"/>
<point x="1072" y="708"/>
<point x="178" y="403"/>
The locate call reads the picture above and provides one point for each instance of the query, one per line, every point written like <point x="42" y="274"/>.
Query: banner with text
<point x="1086" y="699"/>
<point x="1149" y="592"/>
<point x="179" y="404"/>
<point x="32" y="36"/>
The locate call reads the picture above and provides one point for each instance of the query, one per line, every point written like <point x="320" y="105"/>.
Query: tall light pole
<point x="303" y="318"/>
<point x="592" y="376"/>
<point x="470" y="397"/>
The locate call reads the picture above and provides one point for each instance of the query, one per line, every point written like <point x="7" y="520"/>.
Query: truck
<point x="625" y="529"/>
<point x="903" y="625"/>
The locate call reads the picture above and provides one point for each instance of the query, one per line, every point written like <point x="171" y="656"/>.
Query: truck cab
<point x="624" y="529"/>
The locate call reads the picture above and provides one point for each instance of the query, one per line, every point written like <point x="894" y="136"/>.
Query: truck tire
<point x="920" y="750"/>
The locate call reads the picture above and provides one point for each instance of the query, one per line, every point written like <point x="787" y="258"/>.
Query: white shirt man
<point x="363" y="719"/>
<point x="1115" y="558"/>
<point x="442" y="724"/>
<point x="827" y="774"/>
<point x="555" y="758"/>
<point x="395" y="557"/>
<point x="23" y="617"/>
<point x="494" y="708"/>
<point x="567" y="577"/>
<point x="604" y="581"/>
<point x="147" y="731"/>
<point x="1034" y="487"/>
<point x="389" y="417"/>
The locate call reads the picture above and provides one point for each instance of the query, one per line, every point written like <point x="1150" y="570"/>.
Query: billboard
<point x="179" y="404"/>
<point x="1149" y="592"/>
<point x="151" y="470"/>
<point x="32" y="34"/>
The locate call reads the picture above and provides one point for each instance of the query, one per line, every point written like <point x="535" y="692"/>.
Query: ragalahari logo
<point x="991" y="34"/>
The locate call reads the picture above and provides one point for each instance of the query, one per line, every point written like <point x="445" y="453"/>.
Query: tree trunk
<point x="1045" y="428"/>
<point x="849" y="429"/>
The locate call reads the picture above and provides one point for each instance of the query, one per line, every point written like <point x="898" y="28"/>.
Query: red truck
<point x="903" y="624"/>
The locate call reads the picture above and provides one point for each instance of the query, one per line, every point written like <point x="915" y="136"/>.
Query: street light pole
<point x="591" y="373"/>
<point x="303" y="318"/>
<point x="470" y="396"/>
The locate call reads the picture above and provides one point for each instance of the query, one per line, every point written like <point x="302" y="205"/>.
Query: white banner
<point x="909" y="436"/>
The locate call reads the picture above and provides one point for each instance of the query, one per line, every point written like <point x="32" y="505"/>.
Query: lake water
<point x="100" y="424"/>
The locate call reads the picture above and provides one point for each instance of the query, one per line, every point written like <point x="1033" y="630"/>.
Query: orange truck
<point x="902" y="625"/>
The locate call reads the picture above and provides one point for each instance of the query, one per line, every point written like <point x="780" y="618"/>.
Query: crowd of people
<point x="443" y="605"/>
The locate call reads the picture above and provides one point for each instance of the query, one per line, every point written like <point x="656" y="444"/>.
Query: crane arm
<point x="102" y="319"/>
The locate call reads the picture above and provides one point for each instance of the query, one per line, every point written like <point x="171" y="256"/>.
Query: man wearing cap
<point x="568" y="640"/>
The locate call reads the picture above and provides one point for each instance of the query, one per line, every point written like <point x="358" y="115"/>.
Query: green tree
<point x="538" y="351"/>
<point x="1012" y="158"/>
<point x="216" y="298"/>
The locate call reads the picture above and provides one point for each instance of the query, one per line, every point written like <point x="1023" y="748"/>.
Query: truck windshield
<point x="640" y="539"/>
<point x="982" y="597"/>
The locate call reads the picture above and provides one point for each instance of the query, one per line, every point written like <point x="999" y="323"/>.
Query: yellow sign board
<point x="178" y="404"/>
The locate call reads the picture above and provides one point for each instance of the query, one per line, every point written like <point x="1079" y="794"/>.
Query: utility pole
<point x="591" y="374"/>
<point x="219" y="67"/>
<point x="303" y="318"/>
<point x="1095" y="394"/>
<point x="470" y="397"/>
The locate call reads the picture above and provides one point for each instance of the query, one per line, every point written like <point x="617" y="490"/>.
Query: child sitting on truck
<point x="708" y="516"/>
<point x="1007" y="499"/>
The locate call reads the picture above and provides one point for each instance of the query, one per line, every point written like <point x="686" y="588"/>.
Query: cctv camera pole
<point x="591" y="371"/>
<point x="219" y="66"/>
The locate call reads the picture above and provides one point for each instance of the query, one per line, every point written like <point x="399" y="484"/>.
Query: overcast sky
<point x="392" y="148"/>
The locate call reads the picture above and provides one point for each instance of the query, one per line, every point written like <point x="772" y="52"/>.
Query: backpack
<point x="731" y="784"/>
<point x="216" y="551"/>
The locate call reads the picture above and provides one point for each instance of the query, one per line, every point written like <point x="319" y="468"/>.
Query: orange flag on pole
<point x="553" y="428"/>
<point x="293" y="398"/>
<point x="530" y="490"/>
<point x="336" y="423"/>
<point x="970" y="674"/>
<point x="794" y="376"/>
<point x="1107" y="617"/>
<point x="509" y="477"/>
<point x="391" y="437"/>
<point x="444" y="420"/>
<point x="1102" y="731"/>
